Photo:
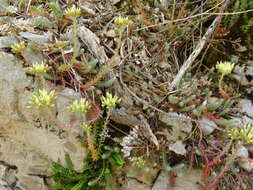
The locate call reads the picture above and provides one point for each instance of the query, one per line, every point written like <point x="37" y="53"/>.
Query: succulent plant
<point x="18" y="47"/>
<point x="122" y="21"/>
<point x="109" y="101"/>
<point x="225" y="68"/>
<point x="72" y="13"/>
<point x="39" y="69"/>
<point x="81" y="106"/>
<point x="42" y="99"/>
<point x="244" y="134"/>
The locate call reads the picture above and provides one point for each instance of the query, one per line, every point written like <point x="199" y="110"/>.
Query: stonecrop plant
<point x="121" y="24"/>
<point x="39" y="69"/>
<point x="122" y="21"/>
<point x="18" y="47"/>
<point x="109" y="101"/>
<point x="244" y="134"/>
<point x="72" y="13"/>
<point x="90" y="141"/>
<point x="225" y="68"/>
<point x="81" y="106"/>
<point x="140" y="162"/>
<point x="42" y="99"/>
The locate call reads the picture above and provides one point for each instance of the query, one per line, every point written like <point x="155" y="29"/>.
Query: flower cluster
<point x="122" y="21"/>
<point x="18" y="48"/>
<point x="42" y="99"/>
<point x="11" y="10"/>
<point x="73" y="13"/>
<point x="140" y="162"/>
<point x="86" y="127"/>
<point x="244" y="134"/>
<point x="109" y="101"/>
<point x="38" y="69"/>
<point x="61" y="44"/>
<point x="225" y="68"/>
<point x="81" y="106"/>
<point x="128" y="142"/>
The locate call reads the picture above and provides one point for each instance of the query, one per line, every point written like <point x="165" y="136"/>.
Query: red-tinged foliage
<point x="224" y="94"/>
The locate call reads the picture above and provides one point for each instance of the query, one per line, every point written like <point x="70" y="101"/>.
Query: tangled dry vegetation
<point x="166" y="68"/>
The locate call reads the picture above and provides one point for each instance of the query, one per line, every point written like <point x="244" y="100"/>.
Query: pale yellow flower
<point x="140" y="162"/>
<point x="73" y="12"/>
<point x="61" y="44"/>
<point x="86" y="127"/>
<point x="225" y="68"/>
<point x="38" y="69"/>
<point x="244" y="134"/>
<point x="18" y="47"/>
<point x="122" y="21"/>
<point x="109" y="101"/>
<point x="81" y="106"/>
<point x="42" y="99"/>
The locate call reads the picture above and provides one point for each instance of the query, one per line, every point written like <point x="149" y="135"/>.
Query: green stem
<point x="119" y="40"/>
<point x="63" y="56"/>
<point x="42" y="82"/>
<point x="75" y="42"/>
<point x="103" y="133"/>
<point x="93" y="182"/>
<point x="220" y="81"/>
<point x="118" y="44"/>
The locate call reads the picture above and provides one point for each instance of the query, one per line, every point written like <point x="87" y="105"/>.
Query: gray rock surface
<point x="207" y="125"/>
<point x="31" y="55"/>
<point x="4" y="4"/>
<point x="7" y="41"/>
<point x="178" y="147"/>
<point x="30" y="140"/>
<point x="246" y="106"/>
<point x="92" y="42"/>
<point x="40" y="39"/>
<point x="161" y="182"/>
<point x="133" y="184"/>
<point x="185" y="179"/>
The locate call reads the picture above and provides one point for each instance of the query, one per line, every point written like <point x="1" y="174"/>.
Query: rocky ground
<point x="183" y="131"/>
<point x="29" y="144"/>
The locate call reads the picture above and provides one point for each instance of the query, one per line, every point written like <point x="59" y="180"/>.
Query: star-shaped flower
<point x="225" y="68"/>
<point x="81" y="106"/>
<point x="42" y="99"/>
<point x="109" y="101"/>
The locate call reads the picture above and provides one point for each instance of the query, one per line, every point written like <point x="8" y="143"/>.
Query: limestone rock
<point x="92" y="42"/>
<point x="178" y="147"/>
<point x="18" y="159"/>
<point x="4" y="4"/>
<point x="207" y="126"/>
<point x="242" y="152"/>
<point x="7" y="41"/>
<point x="246" y="106"/>
<point x="134" y="184"/>
<point x="32" y="55"/>
<point x="30" y="139"/>
<point x="161" y="183"/>
<point x="185" y="179"/>
<point x="13" y="82"/>
<point x="40" y="39"/>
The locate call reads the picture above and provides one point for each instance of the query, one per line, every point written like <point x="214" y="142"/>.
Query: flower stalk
<point x="225" y="68"/>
